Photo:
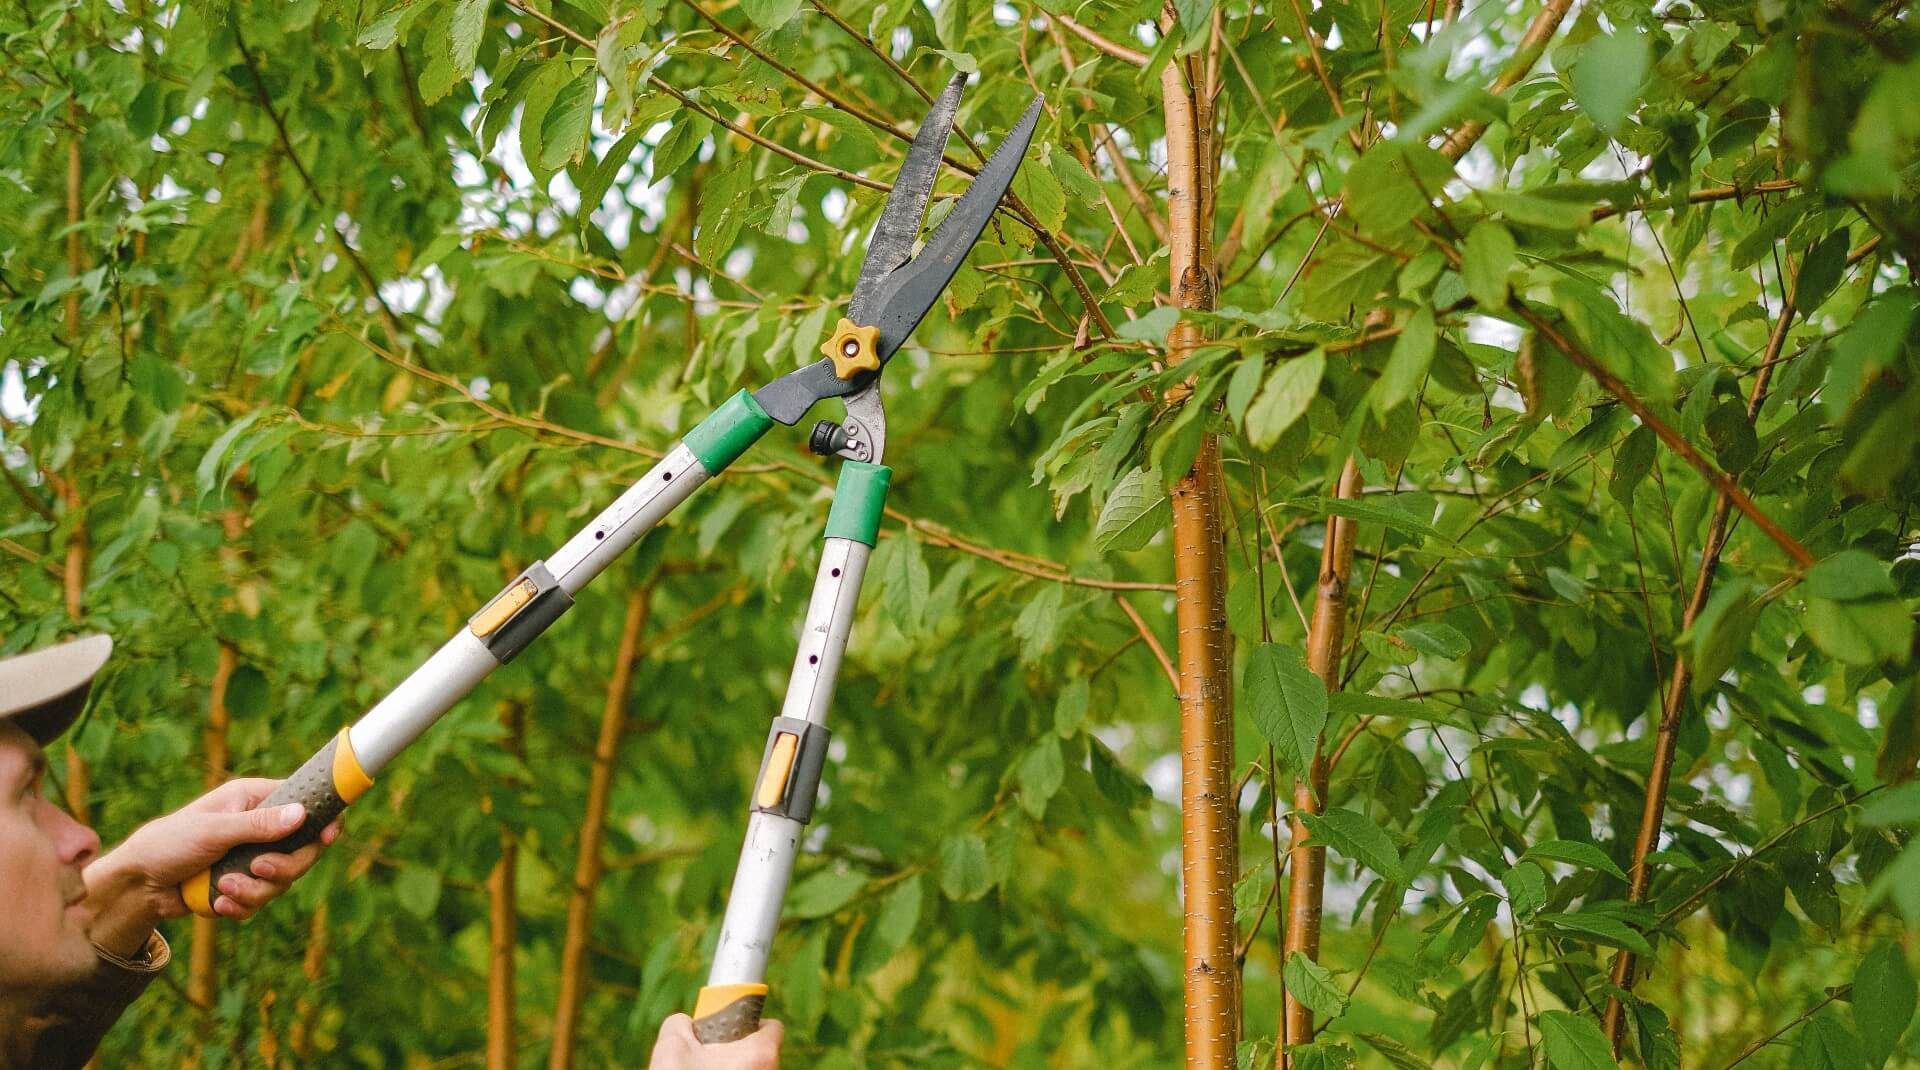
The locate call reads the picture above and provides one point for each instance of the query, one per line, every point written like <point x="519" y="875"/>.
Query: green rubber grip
<point x="858" y="502"/>
<point x="325" y="785"/>
<point x="722" y="437"/>
<point x="726" y="1013"/>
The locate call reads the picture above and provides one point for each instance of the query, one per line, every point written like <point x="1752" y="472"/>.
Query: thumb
<point x="252" y="826"/>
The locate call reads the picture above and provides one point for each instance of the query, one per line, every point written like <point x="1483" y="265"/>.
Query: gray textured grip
<point x="311" y="786"/>
<point x="735" y="1021"/>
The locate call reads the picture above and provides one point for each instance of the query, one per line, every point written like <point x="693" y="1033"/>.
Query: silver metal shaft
<point x="766" y="859"/>
<point x="458" y="666"/>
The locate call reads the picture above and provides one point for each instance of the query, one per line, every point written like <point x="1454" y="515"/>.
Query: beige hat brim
<point x="43" y="691"/>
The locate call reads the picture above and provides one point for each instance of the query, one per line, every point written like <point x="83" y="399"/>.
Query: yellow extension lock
<point x="773" y="782"/>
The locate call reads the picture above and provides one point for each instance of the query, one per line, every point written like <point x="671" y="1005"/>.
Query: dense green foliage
<point x="347" y="349"/>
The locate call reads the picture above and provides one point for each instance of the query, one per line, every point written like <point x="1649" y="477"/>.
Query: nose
<point x="77" y="844"/>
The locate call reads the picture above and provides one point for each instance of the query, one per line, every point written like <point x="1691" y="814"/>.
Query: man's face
<point x="43" y="928"/>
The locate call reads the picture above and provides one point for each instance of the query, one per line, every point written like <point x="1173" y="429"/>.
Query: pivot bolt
<point x="828" y="438"/>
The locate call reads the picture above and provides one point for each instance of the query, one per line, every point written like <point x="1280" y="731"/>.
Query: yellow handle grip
<point x="325" y="785"/>
<point x="725" y="1013"/>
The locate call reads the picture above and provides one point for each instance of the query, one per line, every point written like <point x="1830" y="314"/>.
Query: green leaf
<point x="1284" y="399"/>
<point x="1397" y="1055"/>
<point x="1439" y="640"/>
<point x="1632" y="463"/>
<point x="1602" y="928"/>
<point x="1884" y="997"/>
<point x="1526" y="886"/>
<point x="1827" y="1044"/>
<point x="1376" y="509"/>
<point x="1407" y="366"/>
<point x="1860" y="632"/>
<point x="564" y="127"/>
<point x="1038" y="625"/>
<point x="1355" y="835"/>
<point x="1394" y="183"/>
<point x="899" y="916"/>
<point x="963" y="867"/>
<point x="417" y="890"/>
<point x="1820" y="272"/>
<point x="543" y="86"/>
<point x="1574" y="1042"/>
<point x="1041" y="193"/>
<point x="678" y="144"/>
<point x="824" y="893"/>
<point x="905" y="582"/>
<point x="771" y="14"/>
<point x="1487" y="259"/>
<point x="1849" y="576"/>
<point x="1070" y="709"/>
<point x="1286" y="701"/>
<point x="1311" y="984"/>
<point x="1607" y="77"/>
<point x="1040" y="773"/>
<point x="1151" y="327"/>
<point x="1575" y="853"/>
<point x="469" y="25"/>
<point x="1135" y="511"/>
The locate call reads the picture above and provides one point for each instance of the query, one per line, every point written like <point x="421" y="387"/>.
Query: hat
<point x="44" y="691"/>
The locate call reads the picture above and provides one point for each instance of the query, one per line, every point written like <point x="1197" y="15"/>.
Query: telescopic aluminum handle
<point x="730" y="1004"/>
<point x="342" y="770"/>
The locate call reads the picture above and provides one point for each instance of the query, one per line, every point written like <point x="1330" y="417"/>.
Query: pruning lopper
<point x="895" y="290"/>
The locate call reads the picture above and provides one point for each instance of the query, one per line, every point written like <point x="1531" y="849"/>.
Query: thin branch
<point x="347" y="250"/>
<point x="1678" y="443"/>
<point x="1153" y="642"/>
<point x="1750" y="1049"/>
<point x="1702" y="196"/>
<point x="1107" y="45"/>
<point x="1532" y="45"/>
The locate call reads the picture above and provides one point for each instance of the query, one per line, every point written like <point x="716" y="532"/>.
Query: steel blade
<point x="892" y="242"/>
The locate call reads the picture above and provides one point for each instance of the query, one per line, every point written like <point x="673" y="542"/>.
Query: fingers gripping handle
<point x="329" y="780"/>
<point x="725" y="1013"/>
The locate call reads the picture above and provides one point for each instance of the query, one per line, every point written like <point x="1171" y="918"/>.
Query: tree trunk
<point x="503" y="922"/>
<point x="202" y="968"/>
<point x="313" y="966"/>
<point x="1208" y="853"/>
<point x="1307" y="861"/>
<point x="79" y="778"/>
<point x="73" y="582"/>
<point x="587" y="866"/>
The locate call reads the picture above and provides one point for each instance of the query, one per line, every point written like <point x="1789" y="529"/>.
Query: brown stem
<point x="1612" y="384"/>
<point x="1750" y="1049"/>
<point x="1152" y="641"/>
<point x="1532" y="44"/>
<point x="503" y="922"/>
<point x="340" y="242"/>
<point x="1702" y="196"/>
<point x="313" y="966"/>
<point x="1307" y="860"/>
<point x="74" y="579"/>
<point x="1207" y="815"/>
<point x="1679" y="685"/>
<point x="1105" y="44"/>
<point x="588" y="865"/>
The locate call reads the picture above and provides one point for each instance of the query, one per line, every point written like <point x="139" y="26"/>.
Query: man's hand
<point x="136" y="885"/>
<point x="679" y="1049"/>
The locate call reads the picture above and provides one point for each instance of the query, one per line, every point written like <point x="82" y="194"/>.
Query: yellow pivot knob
<point x="853" y="349"/>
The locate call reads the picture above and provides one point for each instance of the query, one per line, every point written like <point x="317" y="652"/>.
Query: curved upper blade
<point x="901" y="299"/>
<point x="892" y="241"/>
<point x="895" y="296"/>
